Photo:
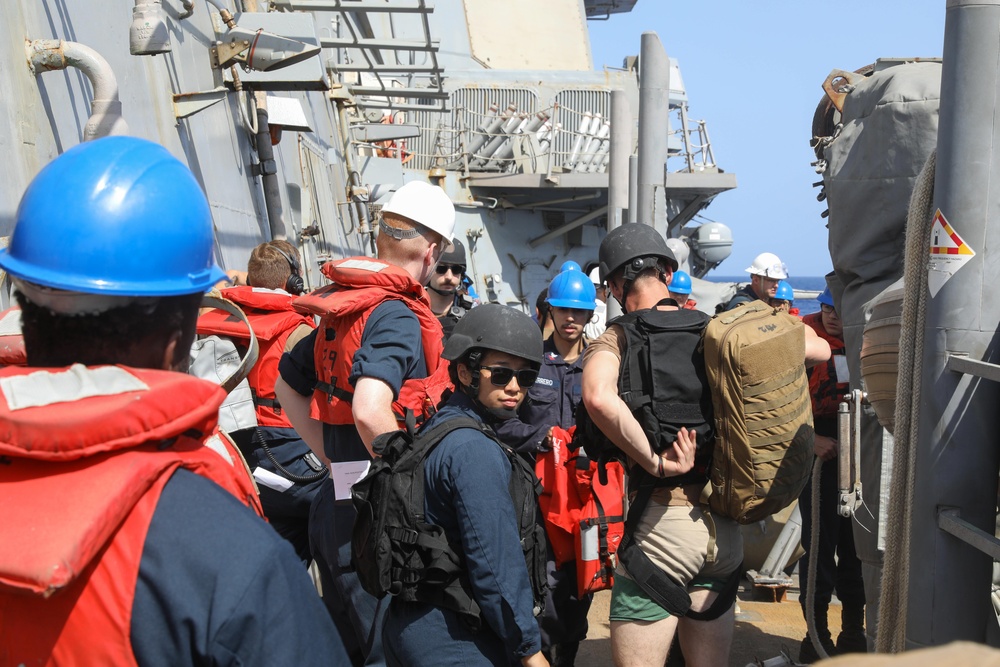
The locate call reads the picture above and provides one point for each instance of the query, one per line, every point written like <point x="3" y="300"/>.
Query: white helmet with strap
<point x="769" y="265"/>
<point x="425" y="204"/>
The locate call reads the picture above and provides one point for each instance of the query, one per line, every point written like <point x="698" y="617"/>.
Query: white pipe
<point x="46" y="55"/>
<point x="578" y="143"/>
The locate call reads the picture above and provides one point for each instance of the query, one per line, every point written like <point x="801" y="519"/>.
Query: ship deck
<point x="764" y="629"/>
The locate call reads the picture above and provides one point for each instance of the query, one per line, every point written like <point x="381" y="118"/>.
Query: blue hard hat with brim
<point x="115" y="216"/>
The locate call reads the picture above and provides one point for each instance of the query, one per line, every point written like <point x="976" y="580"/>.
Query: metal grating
<point x="572" y="106"/>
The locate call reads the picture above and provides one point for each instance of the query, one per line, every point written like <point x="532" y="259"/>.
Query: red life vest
<point x="823" y="386"/>
<point x="273" y="320"/>
<point x="360" y="284"/>
<point x="81" y="477"/>
<point x="584" y="519"/>
<point x="690" y="304"/>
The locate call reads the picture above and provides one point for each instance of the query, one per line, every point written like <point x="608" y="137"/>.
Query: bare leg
<point x="642" y="643"/>
<point x="706" y="643"/>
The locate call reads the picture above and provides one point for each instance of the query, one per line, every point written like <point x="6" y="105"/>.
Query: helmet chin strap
<point x="491" y="415"/>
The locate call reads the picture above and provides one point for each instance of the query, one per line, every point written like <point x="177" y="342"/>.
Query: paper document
<point x="345" y="474"/>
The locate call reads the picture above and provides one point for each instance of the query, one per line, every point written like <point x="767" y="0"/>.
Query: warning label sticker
<point x="949" y="253"/>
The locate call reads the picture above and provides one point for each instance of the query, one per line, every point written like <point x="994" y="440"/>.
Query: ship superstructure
<point x="498" y="105"/>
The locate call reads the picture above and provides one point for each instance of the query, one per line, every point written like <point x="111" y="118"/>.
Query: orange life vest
<point x="360" y="284"/>
<point x="584" y="519"/>
<point x="273" y="320"/>
<point x="690" y="304"/>
<point x="823" y="386"/>
<point x="80" y="481"/>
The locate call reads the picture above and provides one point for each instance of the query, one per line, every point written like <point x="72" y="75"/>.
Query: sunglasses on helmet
<point x="457" y="269"/>
<point x="500" y="376"/>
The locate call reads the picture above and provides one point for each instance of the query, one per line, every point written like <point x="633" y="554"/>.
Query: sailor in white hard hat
<point x="766" y="271"/>
<point x="595" y="327"/>
<point x="377" y="335"/>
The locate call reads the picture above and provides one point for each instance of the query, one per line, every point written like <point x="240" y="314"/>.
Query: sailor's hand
<point x="679" y="459"/>
<point x="825" y="447"/>
<point x="535" y="660"/>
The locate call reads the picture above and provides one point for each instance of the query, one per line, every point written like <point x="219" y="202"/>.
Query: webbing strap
<point x="722" y="603"/>
<point x="657" y="584"/>
<point x="777" y="402"/>
<point x="780" y="420"/>
<point x="776" y="382"/>
<point x="333" y="390"/>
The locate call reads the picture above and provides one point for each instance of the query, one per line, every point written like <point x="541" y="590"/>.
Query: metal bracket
<point x="188" y="104"/>
<point x="950" y="521"/>
<point x="962" y="363"/>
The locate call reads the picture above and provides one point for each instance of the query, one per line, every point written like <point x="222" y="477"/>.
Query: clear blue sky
<point x="753" y="71"/>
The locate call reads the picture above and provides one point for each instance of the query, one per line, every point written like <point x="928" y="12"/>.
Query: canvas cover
<point x="890" y="122"/>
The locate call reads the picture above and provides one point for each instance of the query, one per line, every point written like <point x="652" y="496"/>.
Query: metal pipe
<point x="47" y="55"/>
<point x="633" y="188"/>
<point x="654" y="120"/>
<point x="568" y="227"/>
<point x="957" y="459"/>
<point x="619" y="152"/>
<point x="269" y="176"/>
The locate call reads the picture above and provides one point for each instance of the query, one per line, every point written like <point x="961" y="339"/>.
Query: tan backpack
<point x="754" y="359"/>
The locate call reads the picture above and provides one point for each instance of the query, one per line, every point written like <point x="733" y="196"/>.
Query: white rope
<point x="896" y="564"/>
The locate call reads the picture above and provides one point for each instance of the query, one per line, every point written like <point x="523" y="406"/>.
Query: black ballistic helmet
<point x="455" y="254"/>
<point x="636" y="247"/>
<point x="495" y="327"/>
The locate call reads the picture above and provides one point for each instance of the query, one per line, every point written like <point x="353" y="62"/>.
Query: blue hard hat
<point x="681" y="283"/>
<point x="117" y="216"/>
<point x="569" y="265"/>
<point x="826" y="298"/>
<point x="784" y="292"/>
<point x="572" y="289"/>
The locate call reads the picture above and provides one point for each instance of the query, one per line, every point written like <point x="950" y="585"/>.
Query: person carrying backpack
<point x="469" y="481"/>
<point x="668" y="441"/>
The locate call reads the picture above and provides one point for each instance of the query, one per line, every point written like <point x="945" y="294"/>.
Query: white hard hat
<point x="768" y="265"/>
<point x="425" y="204"/>
<point x="595" y="275"/>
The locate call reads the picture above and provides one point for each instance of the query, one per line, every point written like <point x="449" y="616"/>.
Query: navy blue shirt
<point x="552" y="401"/>
<point x="217" y="586"/>
<point x="391" y="350"/>
<point x="466" y="481"/>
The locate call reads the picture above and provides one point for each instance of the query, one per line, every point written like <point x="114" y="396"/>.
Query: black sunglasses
<point x="457" y="269"/>
<point x="500" y="376"/>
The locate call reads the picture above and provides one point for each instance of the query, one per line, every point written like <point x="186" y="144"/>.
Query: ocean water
<point x="805" y="306"/>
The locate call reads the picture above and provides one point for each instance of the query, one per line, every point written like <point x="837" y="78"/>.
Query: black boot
<point x="852" y="635"/>
<point x="807" y="653"/>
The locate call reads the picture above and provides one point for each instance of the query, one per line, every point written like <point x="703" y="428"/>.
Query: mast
<point x="957" y="450"/>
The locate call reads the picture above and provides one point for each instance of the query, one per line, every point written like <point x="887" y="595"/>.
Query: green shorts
<point x="630" y="603"/>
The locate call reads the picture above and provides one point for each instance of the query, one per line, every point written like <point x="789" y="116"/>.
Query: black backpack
<point x="662" y="381"/>
<point x="396" y="552"/>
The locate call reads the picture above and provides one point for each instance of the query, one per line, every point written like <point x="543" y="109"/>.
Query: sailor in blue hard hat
<point x="116" y="486"/>
<point x="783" y="298"/>
<point x="680" y="290"/>
<point x="554" y="399"/>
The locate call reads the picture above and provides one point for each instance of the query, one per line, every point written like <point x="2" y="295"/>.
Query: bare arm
<point x="296" y="406"/>
<point x="534" y="660"/>
<point x="612" y="416"/>
<point x="817" y="349"/>
<point x="372" y="409"/>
